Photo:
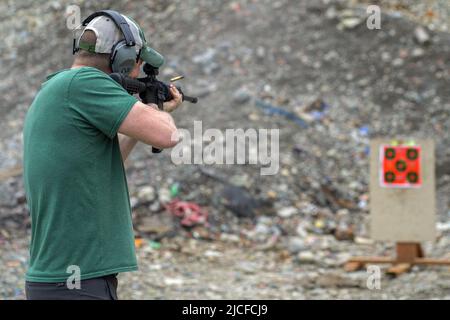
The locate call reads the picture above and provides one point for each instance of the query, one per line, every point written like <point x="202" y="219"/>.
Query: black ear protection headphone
<point x="123" y="53"/>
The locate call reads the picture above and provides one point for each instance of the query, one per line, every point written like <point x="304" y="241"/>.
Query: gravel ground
<point x="192" y="269"/>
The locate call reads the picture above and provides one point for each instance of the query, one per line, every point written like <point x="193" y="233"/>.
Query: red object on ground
<point x="191" y="214"/>
<point x="400" y="166"/>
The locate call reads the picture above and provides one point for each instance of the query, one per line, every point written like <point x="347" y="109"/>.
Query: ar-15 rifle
<point x="150" y="89"/>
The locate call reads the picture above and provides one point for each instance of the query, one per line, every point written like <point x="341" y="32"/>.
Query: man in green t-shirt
<point x="78" y="131"/>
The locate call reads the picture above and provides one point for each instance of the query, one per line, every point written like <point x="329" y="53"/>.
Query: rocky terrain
<point x="310" y="68"/>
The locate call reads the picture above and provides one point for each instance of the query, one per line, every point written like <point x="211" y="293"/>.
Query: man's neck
<point x="79" y="65"/>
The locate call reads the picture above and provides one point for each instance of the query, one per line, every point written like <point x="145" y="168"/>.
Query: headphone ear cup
<point x="123" y="58"/>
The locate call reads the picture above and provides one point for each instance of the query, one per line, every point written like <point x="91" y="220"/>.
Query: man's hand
<point x="173" y="104"/>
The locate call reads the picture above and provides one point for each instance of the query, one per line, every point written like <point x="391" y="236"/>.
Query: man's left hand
<point x="173" y="104"/>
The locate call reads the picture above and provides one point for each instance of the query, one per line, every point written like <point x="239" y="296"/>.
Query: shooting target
<point x="400" y="166"/>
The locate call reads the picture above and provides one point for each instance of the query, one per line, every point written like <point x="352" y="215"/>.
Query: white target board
<point x="402" y="190"/>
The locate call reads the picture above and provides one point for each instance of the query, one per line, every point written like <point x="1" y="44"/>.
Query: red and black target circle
<point x="389" y="153"/>
<point x="389" y="176"/>
<point x="412" y="154"/>
<point x="412" y="177"/>
<point x="400" y="165"/>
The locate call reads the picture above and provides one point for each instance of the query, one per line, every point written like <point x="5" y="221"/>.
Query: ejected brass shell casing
<point x="176" y="78"/>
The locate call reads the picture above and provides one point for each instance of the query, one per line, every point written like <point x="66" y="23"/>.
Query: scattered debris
<point x="190" y="213"/>
<point x="349" y="19"/>
<point x="287" y="212"/>
<point x="146" y="195"/>
<point x="270" y="109"/>
<point x="422" y="36"/>
<point x="12" y="172"/>
<point x="241" y="96"/>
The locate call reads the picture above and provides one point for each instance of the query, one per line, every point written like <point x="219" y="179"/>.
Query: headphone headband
<point x="123" y="55"/>
<point x="118" y="20"/>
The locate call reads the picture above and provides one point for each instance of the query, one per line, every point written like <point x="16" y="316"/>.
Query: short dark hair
<point x="92" y="59"/>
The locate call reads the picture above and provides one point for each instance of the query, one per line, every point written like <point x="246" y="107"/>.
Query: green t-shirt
<point x="74" y="177"/>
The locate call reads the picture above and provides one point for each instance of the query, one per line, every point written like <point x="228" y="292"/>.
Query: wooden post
<point x="408" y="252"/>
<point x="407" y="255"/>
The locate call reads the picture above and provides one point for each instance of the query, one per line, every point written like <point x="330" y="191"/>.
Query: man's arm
<point x="150" y="126"/>
<point x="140" y="122"/>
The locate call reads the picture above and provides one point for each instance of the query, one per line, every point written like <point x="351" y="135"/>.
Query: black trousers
<point x="102" y="288"/>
